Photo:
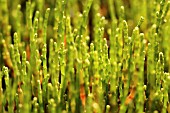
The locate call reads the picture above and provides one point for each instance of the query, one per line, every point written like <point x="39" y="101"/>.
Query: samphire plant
<point x="84" y="56"/>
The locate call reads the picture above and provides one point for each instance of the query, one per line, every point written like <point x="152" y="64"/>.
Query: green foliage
<point x="94" y="56"/>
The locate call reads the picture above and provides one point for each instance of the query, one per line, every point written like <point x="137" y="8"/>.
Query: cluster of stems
<point x="91" y="56"/>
